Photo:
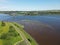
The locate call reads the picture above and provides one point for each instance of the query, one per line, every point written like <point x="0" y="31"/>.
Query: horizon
<point x="31" y="10"/>
<point x="29" y="5"/>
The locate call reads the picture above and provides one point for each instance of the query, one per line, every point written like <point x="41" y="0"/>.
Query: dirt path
<point x="21" y="34"/>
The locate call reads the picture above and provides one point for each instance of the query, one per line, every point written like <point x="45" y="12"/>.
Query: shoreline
<point x="44" y="35"/>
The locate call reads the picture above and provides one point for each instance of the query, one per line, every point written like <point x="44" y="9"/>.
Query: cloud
<point x="3" y="7"/>
<point x="3" y="0"/>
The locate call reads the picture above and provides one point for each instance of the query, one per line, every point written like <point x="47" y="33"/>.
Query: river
<point x="44" y="29"/>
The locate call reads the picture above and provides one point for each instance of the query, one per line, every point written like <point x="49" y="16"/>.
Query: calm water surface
<point x="44" y="29"/>
<point x="51" y="20"/>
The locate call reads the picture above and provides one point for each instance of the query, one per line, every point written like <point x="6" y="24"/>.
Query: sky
<point x="29" y="5"/>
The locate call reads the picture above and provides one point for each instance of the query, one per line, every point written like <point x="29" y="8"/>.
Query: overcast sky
<point x="28" y="5"/>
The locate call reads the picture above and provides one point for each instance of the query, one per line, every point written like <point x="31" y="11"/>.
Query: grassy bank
<point x="13" y="34"/>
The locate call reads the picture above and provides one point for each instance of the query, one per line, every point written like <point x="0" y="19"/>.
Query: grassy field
<point x="8" y="35"/>
<point x="13" y="34"/>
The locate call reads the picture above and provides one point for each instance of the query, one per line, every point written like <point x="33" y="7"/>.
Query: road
<point x="21" y="34"/>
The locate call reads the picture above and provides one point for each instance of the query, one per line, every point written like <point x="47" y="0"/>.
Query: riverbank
<point x="39" y="30"/>
<point x="44" y="34"/>
<point x="12" y="33"/>
<point x="32" y="13"/>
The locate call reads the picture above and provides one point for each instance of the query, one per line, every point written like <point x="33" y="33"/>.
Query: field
<point x="13" y="34"/>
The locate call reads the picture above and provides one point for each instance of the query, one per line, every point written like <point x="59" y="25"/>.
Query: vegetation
<point x="29" y="38"/>
<point x="13" y="34"/>
<point x="14" y="13"/>
<point x="8" y="35"/>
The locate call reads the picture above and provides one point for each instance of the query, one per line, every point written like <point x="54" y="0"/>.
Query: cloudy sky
<point x="28" y="5"/>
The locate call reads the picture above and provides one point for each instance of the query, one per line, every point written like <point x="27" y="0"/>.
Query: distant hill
<point x="14" y="13"/>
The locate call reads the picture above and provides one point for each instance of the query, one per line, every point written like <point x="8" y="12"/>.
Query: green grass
<point x="4" y="28"/>
<point x="29" y="38"/>
<point x="8" y="35"/>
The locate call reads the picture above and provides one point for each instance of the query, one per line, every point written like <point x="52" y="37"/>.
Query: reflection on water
<point x="4" y="17"/>
<point x="44" y="34"/>
<point x="46" y="31"/>
<point x="50" y="20"/>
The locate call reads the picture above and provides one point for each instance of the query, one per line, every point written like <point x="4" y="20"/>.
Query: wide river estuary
<point x="44" y="29"/>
